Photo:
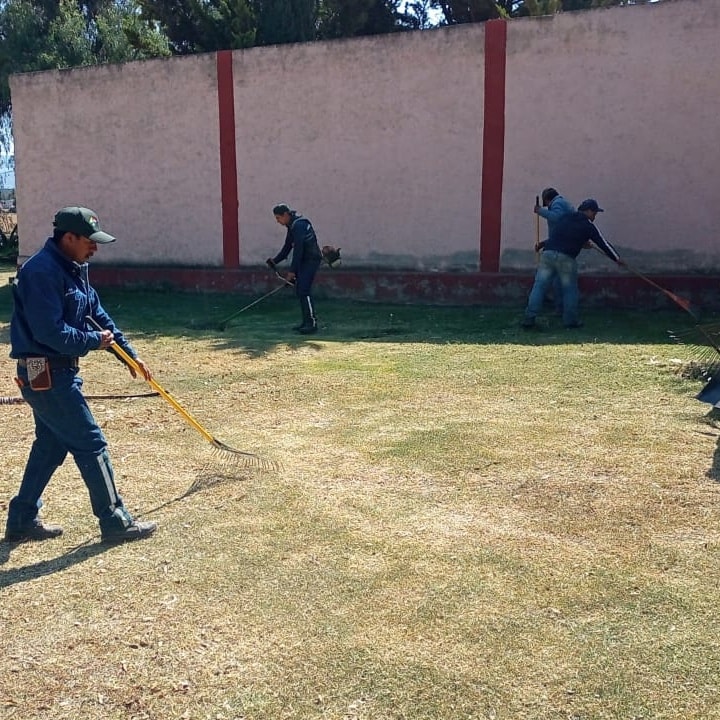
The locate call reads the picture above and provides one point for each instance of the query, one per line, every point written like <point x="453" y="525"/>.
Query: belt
<point x="56" y="362"/>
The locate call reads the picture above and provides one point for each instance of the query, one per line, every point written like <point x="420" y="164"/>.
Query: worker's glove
<point x="330" y="254"/>
<point x="270" y="263"/>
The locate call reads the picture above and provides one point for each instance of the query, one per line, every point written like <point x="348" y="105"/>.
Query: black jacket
<point x="571" y="233"/>
<point x="301" y="239"/>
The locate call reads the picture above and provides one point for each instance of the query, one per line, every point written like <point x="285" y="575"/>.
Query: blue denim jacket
<point x="558" y="207"/>
<point x="52" y="295"/>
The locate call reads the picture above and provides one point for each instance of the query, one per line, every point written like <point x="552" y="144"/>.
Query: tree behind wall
<point x="194" y="26"/>
<point x="455" y="12"/>
<point x="285" y="21"/>
<point x="354" y="18"/>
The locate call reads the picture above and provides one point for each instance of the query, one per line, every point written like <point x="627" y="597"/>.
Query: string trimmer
<point x="222" y="325"/>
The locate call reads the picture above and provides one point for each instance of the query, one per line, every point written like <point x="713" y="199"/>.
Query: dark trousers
<point x="303" y="286"/>
<point x="64" y="424"/>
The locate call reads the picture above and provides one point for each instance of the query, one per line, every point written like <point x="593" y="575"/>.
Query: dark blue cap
<point x="590" y="204"/>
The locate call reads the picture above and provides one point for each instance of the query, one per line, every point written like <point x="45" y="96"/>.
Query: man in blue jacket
<point x="48" y="335"/>
<point x="571" y="234"/>
<point x="306" y="259"/>
<point x="554" y="206"/>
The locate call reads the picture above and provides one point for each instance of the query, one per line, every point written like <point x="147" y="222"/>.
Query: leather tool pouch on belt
<point x="38" y="370"/>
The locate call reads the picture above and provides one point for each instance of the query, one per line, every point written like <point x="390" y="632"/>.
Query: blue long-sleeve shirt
<point x="573" y="231"/>
<point x="557" y="208"/>
<point x="52" y="296"/>
<point x="301" y="239"/>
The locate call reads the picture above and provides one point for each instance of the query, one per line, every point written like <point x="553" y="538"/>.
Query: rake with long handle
<point x="537" y="232"/>
<point x="239" y="457"/>
<point x="681" y="302"/>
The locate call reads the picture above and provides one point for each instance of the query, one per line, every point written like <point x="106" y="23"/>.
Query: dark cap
<point x="281" y="209"/>
<point x="81" y="221"/>
<point x="548" y="195"/>
<point x="589" y="204"/>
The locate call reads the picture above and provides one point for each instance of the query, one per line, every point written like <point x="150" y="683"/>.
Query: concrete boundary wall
<point x="418" y="152"/>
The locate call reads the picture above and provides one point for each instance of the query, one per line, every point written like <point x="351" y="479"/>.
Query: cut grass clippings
<point x="471" y="521"/>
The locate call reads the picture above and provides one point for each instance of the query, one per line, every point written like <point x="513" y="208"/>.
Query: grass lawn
<point x="469" y="521"/>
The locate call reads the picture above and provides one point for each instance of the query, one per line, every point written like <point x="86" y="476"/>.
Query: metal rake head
<point x="704" y="342"/>
<point x="241" y="459"/>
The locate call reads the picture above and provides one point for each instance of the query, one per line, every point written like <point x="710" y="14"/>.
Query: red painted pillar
<point x="493" y="145"/>
<point x="228" y="161"/>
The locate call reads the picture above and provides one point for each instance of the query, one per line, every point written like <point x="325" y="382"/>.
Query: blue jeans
<point x="64" y="424"/>
<point x="552" y="265"/>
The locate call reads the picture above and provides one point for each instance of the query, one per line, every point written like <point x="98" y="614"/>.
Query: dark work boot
<point x="137" y="531"/>
<point x="37" y="530"/>
<point x="309" y="323"/>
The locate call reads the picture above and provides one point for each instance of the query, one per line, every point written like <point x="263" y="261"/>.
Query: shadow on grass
<point x="268" y="325"/>
<point x="205" y="480"/>
<point x="79" y="553"/>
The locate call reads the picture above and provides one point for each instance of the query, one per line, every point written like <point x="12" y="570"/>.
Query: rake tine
<point x="240" y="458"/>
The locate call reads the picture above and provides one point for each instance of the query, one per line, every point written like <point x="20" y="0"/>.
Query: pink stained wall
<point x="622" y="105"/>
<point x="364" y="137"/>
<point x="137" y="143"/>
<point x="379" y="141"/>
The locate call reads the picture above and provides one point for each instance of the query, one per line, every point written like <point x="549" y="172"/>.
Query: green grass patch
<point x="470" y="521"/>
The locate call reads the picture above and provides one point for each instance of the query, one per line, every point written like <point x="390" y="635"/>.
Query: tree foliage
<point x="193" y="26"/>
<point x="353" y="18"/>
<point x="464" y="11"/>
<point x="285" y="21"/>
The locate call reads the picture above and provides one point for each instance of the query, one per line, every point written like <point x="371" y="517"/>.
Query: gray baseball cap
<point x="81" y="221"/>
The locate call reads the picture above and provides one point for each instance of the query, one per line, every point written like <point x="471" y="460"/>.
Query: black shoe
<point x="136" y="531"/>
<point x="37" y="531"/>
<point x="528" y="323"/>
<point x="572" y="326"/>
<point x="308" y="329"/>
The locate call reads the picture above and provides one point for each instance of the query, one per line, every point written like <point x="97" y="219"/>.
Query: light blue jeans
<point x="555" y="264"/>
<point x="64" y="424"/>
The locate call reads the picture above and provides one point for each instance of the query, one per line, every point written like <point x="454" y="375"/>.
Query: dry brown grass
<point x="478" y="525"/>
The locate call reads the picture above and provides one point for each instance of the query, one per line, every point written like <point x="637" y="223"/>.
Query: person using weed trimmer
<point x="48" y="335"/>
<point x="571" y="234"/>
<point x="306" y="259"/>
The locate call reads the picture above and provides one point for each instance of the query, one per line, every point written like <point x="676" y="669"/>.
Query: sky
<point x="7" y="175"/>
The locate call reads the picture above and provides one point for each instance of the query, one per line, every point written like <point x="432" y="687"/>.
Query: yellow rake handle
<point x="130" y="361"/>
